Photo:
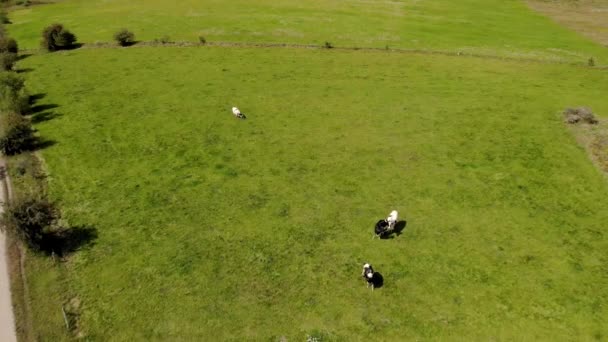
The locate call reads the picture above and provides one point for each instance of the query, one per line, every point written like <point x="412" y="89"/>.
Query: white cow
<point x="237" y="113"/>
<point x="392" y="219"/>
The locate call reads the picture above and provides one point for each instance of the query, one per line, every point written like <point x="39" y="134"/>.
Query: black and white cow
<point x="368" y="275"/>
<point x="237" y="113"/>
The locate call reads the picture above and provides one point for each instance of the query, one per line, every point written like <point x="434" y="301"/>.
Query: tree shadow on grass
<point x="66" y="241"/>
<point x="41" y="113"/>
<point x="36" y="97"/>
<point x="45" y="116"/>
<point x="127" y="44"/>
<point x="73" y="46"/>
<point x="23" y="56"/>
<point x="38" y="143"/>
<point x="24" y="70"/>
<point x="42" y="108"/>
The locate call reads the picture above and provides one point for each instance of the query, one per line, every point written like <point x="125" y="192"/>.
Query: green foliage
<point x="202" y="40"/>
<point x="4" y="17"/>
<point x="8" y="44"/>
<point x="328" y="45"/>
<point x="56" y="37"/>
<point x="7" y="60"/>
<point x="13" y="95"/>
<point x="124" y="37"/>
<point x="31" y="220"/>
<point x="163" y="40"/>
<point x="16" y="134"/>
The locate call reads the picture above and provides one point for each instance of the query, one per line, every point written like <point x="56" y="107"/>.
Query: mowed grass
<point x="493" y="27"/>
<point x="213" y="228"/>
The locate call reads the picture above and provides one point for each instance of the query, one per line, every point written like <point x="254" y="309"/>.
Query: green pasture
<point x="491" y="27"/>
<point x="213" y="228"/>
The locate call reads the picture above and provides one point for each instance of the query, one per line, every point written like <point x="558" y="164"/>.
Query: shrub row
<point x="16" y="133"/>
<point x="55" y="37"/>
<point x="31" y="218"/>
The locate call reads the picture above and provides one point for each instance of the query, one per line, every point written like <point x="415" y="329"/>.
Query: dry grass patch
<point x="589" y="17"/>
<point x="599" y="149"/>
<point x="594" y="138"/>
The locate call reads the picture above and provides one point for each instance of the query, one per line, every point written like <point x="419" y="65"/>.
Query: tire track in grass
<point x="455" y="53"/>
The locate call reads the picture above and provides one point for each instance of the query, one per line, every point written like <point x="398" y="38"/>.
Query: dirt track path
<point x="546" y="60"/>
<point x="7" y="321"/>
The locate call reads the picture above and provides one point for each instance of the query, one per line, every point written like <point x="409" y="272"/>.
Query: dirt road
<point x="7" y="321"/>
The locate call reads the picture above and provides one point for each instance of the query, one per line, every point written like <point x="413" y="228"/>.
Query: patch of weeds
<point x="257" y="201"/>
<point x="71" y="312"/>
<point x="317" y="336"/>
<point x="599" y="149"/>
<point x="580" y="114"/>
<point x="163" y="40"/>
<point x="284" y="210"/>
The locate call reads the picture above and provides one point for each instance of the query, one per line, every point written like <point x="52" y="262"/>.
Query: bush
<point x="124" y="37"/>
<point x="31" y="221"/>
<point x="8" y="45"/>
<point x="580" y="114"/>
<point x="7" y="60"/>
<point x="202" y="40"/>
<point x="591" y="62"/>
<point x="4" y="17"/>
<point x="13" y="96"/>
<point x="328" y="45"/>
<point x="55" y="37"/>
<point x="16" y="135"/>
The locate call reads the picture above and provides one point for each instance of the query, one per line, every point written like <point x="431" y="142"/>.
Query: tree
<point x="30" y="220"/>
<point x="7" y="60"/>
<point x="56" y="37"/>
<point x="16" y="134"/>
<point x="8" y="45"/>
<point x="124" y="37"/>
<point x="13" y="96"/>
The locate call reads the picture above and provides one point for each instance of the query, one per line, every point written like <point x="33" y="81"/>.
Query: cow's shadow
<point x="400" y="227"/>
<point x="377" y="280"/>
<point x="398" y="230"/>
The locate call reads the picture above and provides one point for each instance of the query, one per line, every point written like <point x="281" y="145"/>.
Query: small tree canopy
<point x="30" y="220"/>
<point x="56" y="37"/>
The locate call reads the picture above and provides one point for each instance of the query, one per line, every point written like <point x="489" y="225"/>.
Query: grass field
<point x="493" y="27"/>
<point x="212" y="228"/>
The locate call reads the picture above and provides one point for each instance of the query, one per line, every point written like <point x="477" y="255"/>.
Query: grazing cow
<point x="382" y="228"/>
<point x="392" y="219"/>
<point x="237" y="113"/>
<point x="368" y="274"/>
